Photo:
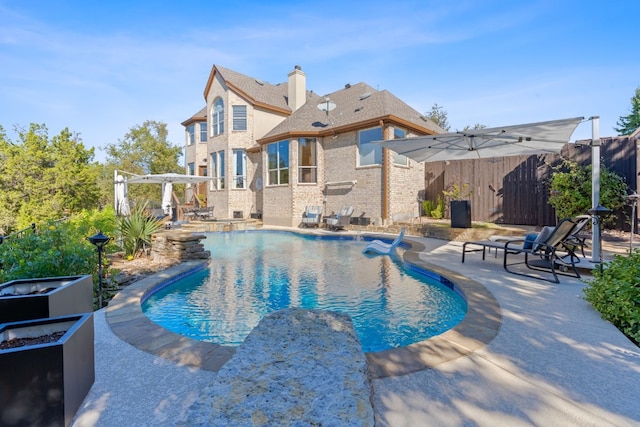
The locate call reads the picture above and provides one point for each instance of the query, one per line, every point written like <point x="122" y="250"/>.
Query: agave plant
<point x="136" y="230"/>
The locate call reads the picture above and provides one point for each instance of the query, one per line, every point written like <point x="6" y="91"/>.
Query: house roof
<point x="197" y="117"/>
<point x="257" y="92"/>
<point x="356" y="106"/>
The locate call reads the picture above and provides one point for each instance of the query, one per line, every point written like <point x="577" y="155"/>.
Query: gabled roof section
<point x="197" y="117"/>
<point x="356" y="107"/>
<point x="257" y="92"/>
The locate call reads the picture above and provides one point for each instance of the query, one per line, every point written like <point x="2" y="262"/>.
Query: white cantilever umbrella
<point x="516" y="140"/>
<point x="163" y="178"/>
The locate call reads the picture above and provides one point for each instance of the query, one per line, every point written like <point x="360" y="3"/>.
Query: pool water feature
<point x="253" y="273"/>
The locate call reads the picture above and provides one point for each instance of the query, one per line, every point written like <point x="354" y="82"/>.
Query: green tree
<point x="477" y="126"/>
<point x="628" y="124"/>
<point x="144" y="149"/>
<point x="44" y="179"/>
<point x="570" y="187"/>
<point x="439" y="116"/>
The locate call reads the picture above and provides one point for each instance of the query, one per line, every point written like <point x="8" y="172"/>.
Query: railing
<point x="19" y="233"/>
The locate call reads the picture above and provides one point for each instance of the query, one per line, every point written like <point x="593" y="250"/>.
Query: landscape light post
<point x="99" y="240"/>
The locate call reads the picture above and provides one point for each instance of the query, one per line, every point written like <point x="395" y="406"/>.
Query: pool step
<point x="297" y="367"/>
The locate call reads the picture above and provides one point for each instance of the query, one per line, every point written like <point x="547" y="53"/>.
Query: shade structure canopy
<point x="514" y="140"/>
<point x="121" y="197"/>
<point x="163" y="178"/>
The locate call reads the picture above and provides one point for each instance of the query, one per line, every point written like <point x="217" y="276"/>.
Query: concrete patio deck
<point x="554" y="361"/>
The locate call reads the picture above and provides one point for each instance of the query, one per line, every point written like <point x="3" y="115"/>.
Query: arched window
<point x="217" y="117"/>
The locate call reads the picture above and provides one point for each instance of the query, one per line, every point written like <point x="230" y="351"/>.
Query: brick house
<point x="273" y="149"/>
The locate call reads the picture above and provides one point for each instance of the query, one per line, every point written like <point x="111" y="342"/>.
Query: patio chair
<point x="312" y="216"/>
<point x="382" y="248"/>
<point x="550" y="251"/>
<point x="188" y="213"/>
<point x="341" y="220"/>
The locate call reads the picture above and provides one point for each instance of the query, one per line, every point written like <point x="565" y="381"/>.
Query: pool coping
<point x="480" y="325"/>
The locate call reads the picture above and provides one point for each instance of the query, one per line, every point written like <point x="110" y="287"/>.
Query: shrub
<point x="58" y="249"/>
<point x="615" y="293"/>
<point x="438" y="211"/>
<point x="136" y="230"/>
<point x="570" y="186"/>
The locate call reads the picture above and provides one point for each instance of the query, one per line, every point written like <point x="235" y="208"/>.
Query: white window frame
<point x="369" y="154"/>
<point x="191" y="137"/>
<point x="310" y="170"/>
<point x="239" y="117"/>
<point x="217" y="117"/>
<point x="399" y="159"/>
<point x="278" y="171"/>
<point x="203" y="131"/>
<point x="239" y="170"/>
<point x="217" y="170"/>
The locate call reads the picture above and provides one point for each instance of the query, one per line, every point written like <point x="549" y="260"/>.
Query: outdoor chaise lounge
<point x="551" y="251"/>
<point x="312" y="216"/>
<point x="382" y="248"/>
<point x="341" y="220"/>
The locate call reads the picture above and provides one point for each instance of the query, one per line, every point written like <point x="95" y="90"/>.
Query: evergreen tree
<point x="145" y="149"/>
<point x="438" y="115"/>
<point x="628" y="124"/>
<point x="42" y="179"/>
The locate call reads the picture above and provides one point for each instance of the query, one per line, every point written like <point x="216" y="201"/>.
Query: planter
<point x="360" y="220"/>
<point x="26" y="299"/>
<point x="460" y="214"/>
<point x="45" y="384"/>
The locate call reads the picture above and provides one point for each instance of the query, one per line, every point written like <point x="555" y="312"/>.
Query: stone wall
<point x="180" y="245"/>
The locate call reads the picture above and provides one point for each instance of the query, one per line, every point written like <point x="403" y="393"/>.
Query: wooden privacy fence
<point x="515" y="190"/>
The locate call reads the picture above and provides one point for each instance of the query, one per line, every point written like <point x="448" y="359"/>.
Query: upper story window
<point x="239" y="117"/>
<point x="278" y="163"/>
<point x="368" y="153"/>
<point x="203" y="131"/>
<point x="217" y="117"/>
<point x="399" y="159"/>
<point x="191" y="168"/>
<point x="307" y="160"/>
<point x="239" y="179"/>
<point x="217" y="170"/>
<point x="190" y="134"/>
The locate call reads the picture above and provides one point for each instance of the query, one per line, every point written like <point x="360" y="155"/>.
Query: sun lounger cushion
<point x="542" y="237"/>
<point x="528" y="240"/>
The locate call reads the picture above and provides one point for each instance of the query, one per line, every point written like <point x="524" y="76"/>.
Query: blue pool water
<point x="253" y="273"/>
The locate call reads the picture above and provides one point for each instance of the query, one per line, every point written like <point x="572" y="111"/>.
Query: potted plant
<point x="459" y="205"/>
<point x="47" y="369"/>
<point x="26" y="299"/>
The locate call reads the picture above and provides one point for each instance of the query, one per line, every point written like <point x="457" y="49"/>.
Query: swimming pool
<point x="253" y="273"/>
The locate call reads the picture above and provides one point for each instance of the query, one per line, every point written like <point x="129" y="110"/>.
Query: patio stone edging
<point x="480" y="325"/>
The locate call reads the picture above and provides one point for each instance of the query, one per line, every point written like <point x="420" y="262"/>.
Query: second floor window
<point x="278" y="163"/>
<point x="203" y="131"/>
<point x="239" y="117"/>
<point x="190" y="134"/>
<point x="239" y="169"/>
<point x="217" y="170"/>
<point x="307" y="160"/>
<point x="369" y="154"/>
<point x="217" y="117"/>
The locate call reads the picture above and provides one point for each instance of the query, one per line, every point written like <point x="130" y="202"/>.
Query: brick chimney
<point x="297" y="88"/>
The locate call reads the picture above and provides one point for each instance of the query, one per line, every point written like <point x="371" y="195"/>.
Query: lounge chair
<point x="341" y="220"/>
<point x="382" y="248"/>
<point x="551" y="251"/>
<point x="312" y="216"/>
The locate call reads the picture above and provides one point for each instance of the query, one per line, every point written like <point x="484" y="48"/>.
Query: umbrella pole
<point x="596" y="254"/>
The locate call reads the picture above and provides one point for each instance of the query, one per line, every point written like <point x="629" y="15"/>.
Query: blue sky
<point x="100" y="68"/>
